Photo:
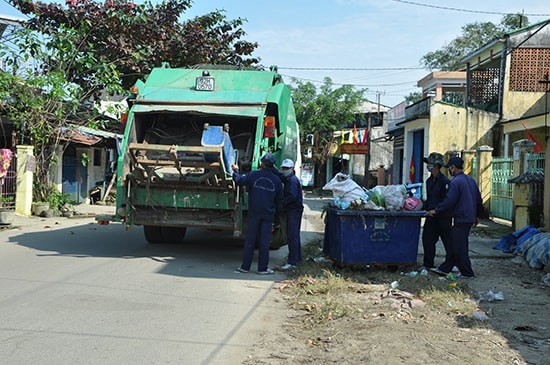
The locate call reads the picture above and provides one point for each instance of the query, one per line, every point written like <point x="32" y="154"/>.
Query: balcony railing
<point x="420" y="108"/>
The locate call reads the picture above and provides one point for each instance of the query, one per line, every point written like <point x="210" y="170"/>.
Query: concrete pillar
<point x="521" y="206"/>
<point x="484" y="174"/>
<point x="506" y="144"/>
<point x="381" y="175"/>
<point x="520" y="149"/>
<point x="439" y="91"/>
<point x="26" y="165"/>
<point x="468" y="156"/>
<point x="520" y="218"/>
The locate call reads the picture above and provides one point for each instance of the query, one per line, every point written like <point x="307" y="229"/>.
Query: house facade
<point x="508" y="77"/>
<point x="87" y="159"/>
<point x="500" y="98"/>
<point x="364" y="166"/>
<point x="440" y="122"/>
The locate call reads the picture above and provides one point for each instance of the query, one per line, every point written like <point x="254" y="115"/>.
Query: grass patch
<point x="323" y="291"/>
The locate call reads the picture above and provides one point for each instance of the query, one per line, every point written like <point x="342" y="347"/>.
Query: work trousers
<point x="459" y="255"/>
<point x="435" y="228"/>
<point x="293" y="224"/>
<point x="258" y="229"/>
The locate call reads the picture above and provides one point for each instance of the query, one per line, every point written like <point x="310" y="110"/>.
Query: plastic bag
<point x="344" y="188"/>
<point x="395" y="197"/>
<point x="278" y="234"/>
<point x="411" y="203"/>
<point x="376" y="196"/>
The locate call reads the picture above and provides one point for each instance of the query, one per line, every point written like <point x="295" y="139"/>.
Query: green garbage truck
<point x="185" y="127"/>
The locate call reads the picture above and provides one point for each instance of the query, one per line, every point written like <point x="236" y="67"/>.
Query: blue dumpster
<point x="372" y="237"/>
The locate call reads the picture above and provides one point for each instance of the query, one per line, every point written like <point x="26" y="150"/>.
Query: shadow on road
<point x="203" y="253"/>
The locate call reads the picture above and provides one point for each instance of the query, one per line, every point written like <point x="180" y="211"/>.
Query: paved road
<point x="74" y="292"/>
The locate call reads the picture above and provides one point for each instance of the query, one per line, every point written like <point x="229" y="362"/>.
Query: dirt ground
<point x="398" y="327"/>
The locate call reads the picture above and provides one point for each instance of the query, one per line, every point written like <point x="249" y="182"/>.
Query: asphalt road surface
<point x="74" y="292"/>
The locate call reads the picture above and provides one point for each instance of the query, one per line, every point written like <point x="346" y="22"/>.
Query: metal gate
<point x="8" y="181"/>
<point x="501" y="190"/>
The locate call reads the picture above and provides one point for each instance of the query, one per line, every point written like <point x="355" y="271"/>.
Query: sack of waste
<point x="394" y="196"/>
<point x="344" y="189"/>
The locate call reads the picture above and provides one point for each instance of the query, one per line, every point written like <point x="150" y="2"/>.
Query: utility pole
<point x="367" y="177"/>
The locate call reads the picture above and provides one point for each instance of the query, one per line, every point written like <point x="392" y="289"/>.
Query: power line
<point x="349" y="68"/>
<point x="462" y="10"/>
<point x="342" y="84"/>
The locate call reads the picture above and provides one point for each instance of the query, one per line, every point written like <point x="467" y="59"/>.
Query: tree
<point x="474" y="36"/>
<point x="133" y="38"/>
<point x="413" y="97"/>
<point x="40" y="99"/>
<point x="67" y="59"/>
<point x="322" y="112"/>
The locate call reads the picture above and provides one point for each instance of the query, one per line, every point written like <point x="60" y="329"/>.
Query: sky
<point x="373" y="44"/>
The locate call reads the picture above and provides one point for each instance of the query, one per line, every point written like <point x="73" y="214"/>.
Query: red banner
<point x="412" y="169"/>
<point x="531" y="137"/>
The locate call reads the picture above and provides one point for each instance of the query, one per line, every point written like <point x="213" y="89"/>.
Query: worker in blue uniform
<point x="440" y="225"/>
<point x="265" y="194"/>
<point x="293" y="208"/>
<point x="464" y="201"/>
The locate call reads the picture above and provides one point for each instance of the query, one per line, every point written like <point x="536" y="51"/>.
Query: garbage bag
<point x="412" y="203"/>
<point x="394" y="196"/>
<point x="344" y="188"/>
<point x="376" y="196"/>
<point x="278" y="234"/>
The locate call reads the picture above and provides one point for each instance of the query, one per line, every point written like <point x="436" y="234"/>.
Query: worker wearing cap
<point x="293" y="209"/>
<point x="440" y="225"/>
<point x="265" y="194"/>
<point x="464" y="201"/>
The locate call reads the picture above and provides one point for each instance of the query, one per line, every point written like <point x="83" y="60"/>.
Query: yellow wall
<point x="456" y="129"/>
<point x="522" y="104"/>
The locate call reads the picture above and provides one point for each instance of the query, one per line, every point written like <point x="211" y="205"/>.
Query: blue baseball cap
<point x="456" y="161"/>
<point x="268" y="159"/>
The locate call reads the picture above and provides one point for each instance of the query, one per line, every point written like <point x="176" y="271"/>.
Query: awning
<point x="86" y="136"/>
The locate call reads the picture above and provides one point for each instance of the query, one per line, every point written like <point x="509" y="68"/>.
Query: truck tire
<point x="153" y="234"/>
<point x="173" y="234"/>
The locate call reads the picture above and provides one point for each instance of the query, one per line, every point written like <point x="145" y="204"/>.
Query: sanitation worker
<point x="265" y="194"/>
<point x="293" y="209"/>
<point x="465" y="203"/>
<point x="438" y="226"/>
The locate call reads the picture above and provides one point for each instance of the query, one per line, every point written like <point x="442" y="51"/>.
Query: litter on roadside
<point x="490" y="296"/>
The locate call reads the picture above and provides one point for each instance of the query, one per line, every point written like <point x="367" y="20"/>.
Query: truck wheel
<point x="153" y="234"/>
<point x="173" y="234"/>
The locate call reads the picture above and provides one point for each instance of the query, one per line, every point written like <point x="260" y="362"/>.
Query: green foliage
<point x="474" y="36"/>
<point x="49" y="194"/>
<point x="71" y="56"/>
<point x="324" y="111"/>
<point x="57" y="199"/>
<point x="85" y="159"/>
<point x="413" y="97"/>
<point x="131" y="39"/>
<point x="43" y="99"/>
<point x="7" y="201"/>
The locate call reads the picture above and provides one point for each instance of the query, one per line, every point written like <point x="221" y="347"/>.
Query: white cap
<point x="288" y="163"/>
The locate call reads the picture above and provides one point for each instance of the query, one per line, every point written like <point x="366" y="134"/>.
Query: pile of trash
<point x="530" y="243"/>
<point x="347" y="194"/>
